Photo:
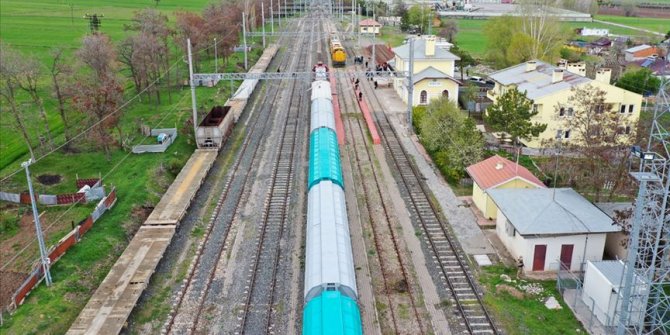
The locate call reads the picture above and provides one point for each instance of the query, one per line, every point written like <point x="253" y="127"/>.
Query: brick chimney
<point x="557" y="75"/>
<point x="531" y="65"/>
<point x="604" y="75"/>
<point x="430" y="45"/>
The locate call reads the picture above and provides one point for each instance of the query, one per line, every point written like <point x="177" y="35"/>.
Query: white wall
<point x="597" y="294"/>
<point x="525" y="246"/>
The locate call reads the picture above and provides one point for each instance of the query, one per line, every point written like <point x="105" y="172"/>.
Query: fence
<point x="160" y="147"/>
<point x="89" y="190"/>
<point x="570" y="286"/>
<point x="57" y="251"/>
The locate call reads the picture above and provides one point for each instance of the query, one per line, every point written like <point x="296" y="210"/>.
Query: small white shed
<point x="603" y="282"/>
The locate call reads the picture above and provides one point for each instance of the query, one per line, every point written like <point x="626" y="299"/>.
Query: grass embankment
<point x="34" y="28"/>
<point x="526" y="315"/>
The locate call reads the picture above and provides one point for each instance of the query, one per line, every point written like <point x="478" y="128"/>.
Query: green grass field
<point x="471" y="32"/>
<point x="527" y="315"/>
<point x="34" y="28"/>
<point x="658" y="25"/>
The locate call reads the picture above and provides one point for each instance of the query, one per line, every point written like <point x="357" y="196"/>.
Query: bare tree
<point x="539" y="23"/>
<point x="58" y="70"/>
<point x="449" y="30"/>
<point x="99" y="93"/>
<point x="151" y="22"/>
<point x="27" y="79"/>
<point x="126" y="52"/>
<point x="224" y="24"/>
<point x="193" y="26"/>
<point x="9" y="70"/>
<point x="599" y="140"/>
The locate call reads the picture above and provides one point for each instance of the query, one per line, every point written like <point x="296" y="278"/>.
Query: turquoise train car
<point x="324" y="158"/>
<point x="330" y="278"/>
<point x="332" y="313"/>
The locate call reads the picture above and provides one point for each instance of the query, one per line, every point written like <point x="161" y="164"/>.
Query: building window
<point x="561" y="111"/>
<point x="423" y="97"/>
<point x="623" y="109"/>
<point x="445" y="94"/>
<point x="627" y="129"/>
<point x="535" y="108"/>
<point x="600" y="108"/>
<point x="509" y="229"/>
<point x="571" y="111"/>
<point x="566" y="134"/>
<point x="630" y="108"/>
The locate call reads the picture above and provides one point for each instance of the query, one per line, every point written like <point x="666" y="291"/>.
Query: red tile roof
<point x="496" y="170"/>
<point x="369" y="22"/>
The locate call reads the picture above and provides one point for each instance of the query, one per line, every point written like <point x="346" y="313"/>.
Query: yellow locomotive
<point x="337" y="53"/>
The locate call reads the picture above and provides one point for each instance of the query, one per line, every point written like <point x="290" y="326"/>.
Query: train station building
<point x="433" y="73"/>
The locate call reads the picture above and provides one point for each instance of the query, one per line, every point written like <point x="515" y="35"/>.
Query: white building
<point x="594" y="32"/>
<point x="550" y="227"/>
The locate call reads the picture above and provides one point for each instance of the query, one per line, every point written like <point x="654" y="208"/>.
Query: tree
<point x="10" y="67"/>
<point x="499" y="32"/>
<point x="155" y="24"/>
<point x="599" y="140"/>
<point x="512" y="113"/>
<point x="449" y="30"/>
<point x="224" y="24"/>
<point x="465" y="58"/>
<point x="451" y="136"/>
<point x="641" y="81"/>
<point x="545" y="31"/>
<point x="98" y="92"/>
<point x="58" y="70"/>
<point x="534" y="34"/>
<point x="193" y="26"/>
<point x="420" y="16"/>
<point x="27" y="78"/>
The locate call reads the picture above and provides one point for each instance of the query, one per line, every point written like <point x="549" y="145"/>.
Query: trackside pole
<point x="190" y="74"/>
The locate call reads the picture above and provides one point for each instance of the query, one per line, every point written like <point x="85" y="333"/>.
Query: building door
<point x="566" y="256"/>
<point x="538" y="257"/>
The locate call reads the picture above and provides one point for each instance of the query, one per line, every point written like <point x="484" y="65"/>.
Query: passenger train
<point x="330" y="282"/>
<point x="337" y="53"/>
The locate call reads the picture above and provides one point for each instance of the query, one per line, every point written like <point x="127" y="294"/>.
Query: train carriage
<point x="337" y="53"/>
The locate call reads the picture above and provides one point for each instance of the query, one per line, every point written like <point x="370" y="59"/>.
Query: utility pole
<point x="190" y="74"/>
<point x="244" y="37"/>
<point x="263" y="23"/>
<point x="279" y="8"/>
<point x="374" y="60"/>
<point x="272" y="17"/>
<point x="410" y="86"/>
<point x="216" y="58"/>
<point x="44" y="257"/>
<point x="359" y="30"/>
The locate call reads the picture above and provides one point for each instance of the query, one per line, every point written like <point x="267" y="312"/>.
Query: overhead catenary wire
<point x="125" y="104"/>
<point x="117" y="165"/>
<point x="60" y="217"/>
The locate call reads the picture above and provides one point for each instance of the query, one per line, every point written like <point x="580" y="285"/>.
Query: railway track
<point x="256" y="316"/>
<point x="465" y="296"/>
<point x="388" y="254"/>
<point x="186" y="315"/>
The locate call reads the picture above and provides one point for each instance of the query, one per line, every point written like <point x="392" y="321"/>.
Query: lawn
<point x="471" y="36"/>
<point x="34" y="28"/>
<point x="658" y="25"/>
<point x="526" y="315"/>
